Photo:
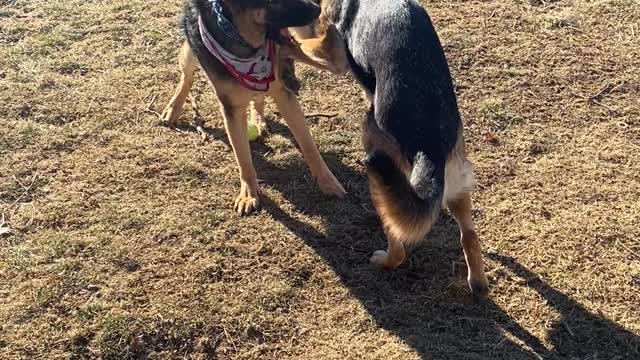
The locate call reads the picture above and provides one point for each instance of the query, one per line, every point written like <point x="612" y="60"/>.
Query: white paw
<point x="378" y="258"/>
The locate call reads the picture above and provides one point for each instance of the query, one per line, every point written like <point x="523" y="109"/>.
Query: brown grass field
<point x="118" y="240"/>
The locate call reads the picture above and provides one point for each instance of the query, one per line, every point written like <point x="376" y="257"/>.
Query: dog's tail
<point x="407" y="203"/>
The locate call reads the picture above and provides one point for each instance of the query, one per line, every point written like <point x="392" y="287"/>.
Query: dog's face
<point x="280" y="14"/>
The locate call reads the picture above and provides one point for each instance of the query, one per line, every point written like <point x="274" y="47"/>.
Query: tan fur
<point x="234" y="101"/>
<point x="249" y="23"/>
<point x="320" y="44"/>
<point x="461" y="211"/>
<point x="326" y="52"/>
<point x="459" y="178"/>
<point x="402" y="229"/>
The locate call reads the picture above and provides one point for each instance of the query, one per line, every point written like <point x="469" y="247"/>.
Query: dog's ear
<point x="326" y="52"/>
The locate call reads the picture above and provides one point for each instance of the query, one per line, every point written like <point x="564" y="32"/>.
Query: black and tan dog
<point x="238" y="44"/>
<point x="412" y="134"/>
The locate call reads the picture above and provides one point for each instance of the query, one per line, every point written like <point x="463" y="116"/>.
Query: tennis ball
<point x="252" y="132"/>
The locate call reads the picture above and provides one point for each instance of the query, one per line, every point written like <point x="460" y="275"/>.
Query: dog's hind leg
<point x="402" y="229"/>
<point x="257" y="114"/>
<point x="394" y="256"/>
<point x="459" y="182"/>
<point x="461" y="210"/>
<point x="188" y="66"/>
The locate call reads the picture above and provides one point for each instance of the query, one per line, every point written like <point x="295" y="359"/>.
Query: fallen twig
<point x="566" y="326"/>
<point x="150" y="104"/>
<point x="197" y="119"/>
<point x="594" y="98"/>
<point x="311" y="115"/>
<point x="605" y="106"/>
<point x="599" y="93"/>
<point x="629" y="249"/>
<point x="26" y="191"/>
<point x="90" y="105"/>
<point x="321" y="115"/>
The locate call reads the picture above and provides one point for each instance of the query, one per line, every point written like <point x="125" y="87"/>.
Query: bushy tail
<point x="408" y="205"/>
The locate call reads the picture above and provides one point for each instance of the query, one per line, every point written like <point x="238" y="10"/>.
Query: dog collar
<point x="226" y="26"/>
<point x="255" y="73"/>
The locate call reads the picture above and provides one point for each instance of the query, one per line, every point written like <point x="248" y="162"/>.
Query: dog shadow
<point x="578" y="333"/>
<point x="426" y="303"/>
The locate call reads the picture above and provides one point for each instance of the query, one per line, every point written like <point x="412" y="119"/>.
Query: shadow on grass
<point x="579" y="333"/>
<point x="427" y="303"/>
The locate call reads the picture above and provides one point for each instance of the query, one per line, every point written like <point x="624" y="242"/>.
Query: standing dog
<point x="235" y="42"/>
<point x="412" y="134"/>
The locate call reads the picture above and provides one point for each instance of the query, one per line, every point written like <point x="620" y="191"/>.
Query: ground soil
<point x="118" y="239"/>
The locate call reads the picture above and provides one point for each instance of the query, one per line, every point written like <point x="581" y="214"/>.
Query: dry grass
<point x="123" y="243"/>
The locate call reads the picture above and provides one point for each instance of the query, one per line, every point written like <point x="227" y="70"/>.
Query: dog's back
<point x="414" y="121"/>
<point x="396" y="55"/>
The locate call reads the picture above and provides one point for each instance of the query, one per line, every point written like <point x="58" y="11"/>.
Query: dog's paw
<point x="479" y="288"/>
<point x="379" y="258"/>
<point x="170" y="114"/>
<point x="246" y="204"/>
<point x="330" y="185"/>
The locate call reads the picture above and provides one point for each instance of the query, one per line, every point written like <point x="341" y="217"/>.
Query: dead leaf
<point x="489" y="137"/>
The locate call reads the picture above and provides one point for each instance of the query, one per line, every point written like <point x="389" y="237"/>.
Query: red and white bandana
<point x="255" y="73"/>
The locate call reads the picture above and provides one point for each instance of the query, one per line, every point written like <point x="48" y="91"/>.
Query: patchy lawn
<point x="118" y="241"/>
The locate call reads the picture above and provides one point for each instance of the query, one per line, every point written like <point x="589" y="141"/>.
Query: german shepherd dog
<point x="238" y="44"/>
<point x="412" y="134"/>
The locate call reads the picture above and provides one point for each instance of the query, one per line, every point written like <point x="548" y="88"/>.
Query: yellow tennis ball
<point x="252" y="132"/>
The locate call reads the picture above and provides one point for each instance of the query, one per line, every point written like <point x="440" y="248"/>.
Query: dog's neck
<point x="253" y="35"/>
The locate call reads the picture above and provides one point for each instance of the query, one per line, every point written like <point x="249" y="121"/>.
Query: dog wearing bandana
<point x="244" y="50"/>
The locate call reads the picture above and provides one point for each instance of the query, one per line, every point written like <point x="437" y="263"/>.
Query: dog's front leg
<point x="235" y="122"/>
<point x="291" y="111"/>
<point x="188" y="66"/>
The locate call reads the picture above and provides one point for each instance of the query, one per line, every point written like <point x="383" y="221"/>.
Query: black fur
<point x="280" y="14"/>
<point x="193" y="9"/>
<point x="396" y="55"/>
<point x="291" y="13"/>
<point x="418" y="196"/>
